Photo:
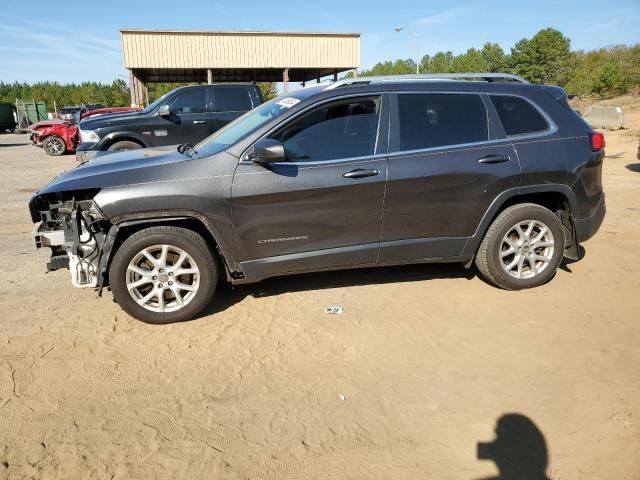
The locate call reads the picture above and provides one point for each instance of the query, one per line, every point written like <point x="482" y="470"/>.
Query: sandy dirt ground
<point x="418" y="369"/>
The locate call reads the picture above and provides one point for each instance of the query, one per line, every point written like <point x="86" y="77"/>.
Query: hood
<point x="45" y="123"/>
<point x="109" y="111"/>
<point x="123" y="168"/>
<point x="101" y="121"/>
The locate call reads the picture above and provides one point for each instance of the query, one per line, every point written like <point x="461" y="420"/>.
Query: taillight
<point x="597" y="141"/>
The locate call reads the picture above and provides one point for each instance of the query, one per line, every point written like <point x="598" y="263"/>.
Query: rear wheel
<point x="54" y="145"/>
<point x="163" y="275"/>
<point x="124" y="145"/>
<point x="522" y="248"/>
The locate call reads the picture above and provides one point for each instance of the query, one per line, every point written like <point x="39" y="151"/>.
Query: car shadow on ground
<point x="519" y="449"/>
<point x="227" y="296"/>
<point x="634" y="167"/>
<point x="13" y="144"/>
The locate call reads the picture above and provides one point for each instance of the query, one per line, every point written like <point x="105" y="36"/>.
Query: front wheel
<point x="124" y="145"/>
<point x="54" y="145"/>
<point x="163" y="275"/>
<point x="522" y="248"/>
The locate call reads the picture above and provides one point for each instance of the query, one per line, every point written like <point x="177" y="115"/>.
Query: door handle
<point x="494" y="159"/>
<point x="361" y="173"/>
<point x="199" y="122"/>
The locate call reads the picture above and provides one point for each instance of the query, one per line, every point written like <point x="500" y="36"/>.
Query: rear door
<point x="229" y="102"/>
<point x="188" y="122"/>
<point x="448" y="161"/>
<point x="321" y="208"/>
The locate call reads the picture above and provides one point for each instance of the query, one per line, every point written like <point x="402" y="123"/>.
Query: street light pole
<point x="399" y="29"/>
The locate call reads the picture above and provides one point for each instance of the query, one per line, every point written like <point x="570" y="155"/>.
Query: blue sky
<point x="75" y="41"/>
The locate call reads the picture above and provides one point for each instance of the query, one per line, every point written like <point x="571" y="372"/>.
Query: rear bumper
<point x="587" y="227"/>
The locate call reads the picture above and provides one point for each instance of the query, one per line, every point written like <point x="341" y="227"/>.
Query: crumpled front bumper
<point x="35" y="139"/>
<point x="54" y="239"/>
<point x="75" y="233"/>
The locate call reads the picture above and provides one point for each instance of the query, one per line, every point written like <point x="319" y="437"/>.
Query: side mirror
<point x="267" y="151"/>
<point x="164" y="111"/>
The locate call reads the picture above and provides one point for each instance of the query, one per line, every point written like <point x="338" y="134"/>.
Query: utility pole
<point x="399" y="29"/>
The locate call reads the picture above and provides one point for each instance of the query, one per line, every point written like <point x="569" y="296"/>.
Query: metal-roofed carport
<point x="190" y="56"/>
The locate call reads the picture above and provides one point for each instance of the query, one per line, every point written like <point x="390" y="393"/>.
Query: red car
<point x="57" y="137"/>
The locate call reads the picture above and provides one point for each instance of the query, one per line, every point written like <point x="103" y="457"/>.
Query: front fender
<point x="150" y="219"/>
<point x="117" y="136"/>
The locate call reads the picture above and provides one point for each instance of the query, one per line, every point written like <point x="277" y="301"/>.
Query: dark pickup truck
<point x="184" y="115"/>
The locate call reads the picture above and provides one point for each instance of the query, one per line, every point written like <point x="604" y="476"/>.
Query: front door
<point x="321" y="207"/>
<point x="188" y="121"/>
<point x="448" y="160"/>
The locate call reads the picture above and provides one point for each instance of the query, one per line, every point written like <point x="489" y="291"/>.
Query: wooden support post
<point x="146" y="94"/>
<point x="285" y="80"/>
<point x="209" y="76"/>
<point x="132" y="87"/>
<point x="317" y="76"/>
<point x="335" y="75"/>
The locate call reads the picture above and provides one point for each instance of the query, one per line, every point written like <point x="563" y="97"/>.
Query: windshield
<point x="156" y="103"/>
<point x="244" y="125"/>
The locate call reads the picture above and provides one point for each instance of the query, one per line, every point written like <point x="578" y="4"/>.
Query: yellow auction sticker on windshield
<point x="287" y="102"/>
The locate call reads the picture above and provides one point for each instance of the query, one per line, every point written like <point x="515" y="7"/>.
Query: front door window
<point x="339" y="130"/>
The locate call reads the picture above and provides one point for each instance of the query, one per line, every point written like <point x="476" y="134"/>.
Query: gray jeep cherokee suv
<point x="362" y="172"/>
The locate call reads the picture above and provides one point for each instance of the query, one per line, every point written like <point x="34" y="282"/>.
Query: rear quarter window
<point x="518" y="116"/>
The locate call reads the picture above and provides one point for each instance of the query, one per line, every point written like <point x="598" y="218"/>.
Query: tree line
<point x="545" y="58"/>
<point x="115" y="94"/>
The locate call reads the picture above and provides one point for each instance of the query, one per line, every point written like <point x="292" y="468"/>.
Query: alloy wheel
<point x="162" y="278"/>
<point x="56" y="145"/>
<point x="526" y="250"/>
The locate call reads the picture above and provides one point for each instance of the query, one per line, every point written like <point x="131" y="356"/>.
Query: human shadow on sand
<point x="519" y="449"/>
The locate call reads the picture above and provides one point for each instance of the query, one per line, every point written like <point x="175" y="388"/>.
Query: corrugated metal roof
<point x="145" y="49"/>
<point x="242" y="32"/>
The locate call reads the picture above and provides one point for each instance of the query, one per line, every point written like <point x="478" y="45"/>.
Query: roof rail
<point x="484" y="77"/>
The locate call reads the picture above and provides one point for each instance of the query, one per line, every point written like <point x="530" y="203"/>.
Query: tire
<point x="124" y="145"/>
<point x="54" y="146"/>
<point x="122" y="276"/>
<point x="536" y="257"/>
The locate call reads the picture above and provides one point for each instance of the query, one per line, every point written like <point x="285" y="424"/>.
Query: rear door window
<point x="428" y="120"/>
<point x="518" y="116"/>
<point x="232" y="99"/>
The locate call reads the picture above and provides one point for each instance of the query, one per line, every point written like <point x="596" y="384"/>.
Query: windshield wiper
<point x="187" y="149"/>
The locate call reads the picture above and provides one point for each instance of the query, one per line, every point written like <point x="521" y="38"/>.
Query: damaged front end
<point x="74" y="228"/>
